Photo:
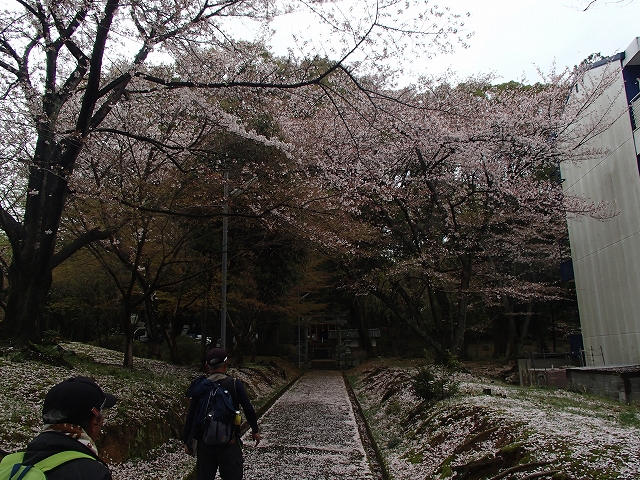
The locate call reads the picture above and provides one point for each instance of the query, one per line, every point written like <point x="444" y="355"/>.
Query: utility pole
<point x="225" y="244"/>
<point x="225" y="247"/>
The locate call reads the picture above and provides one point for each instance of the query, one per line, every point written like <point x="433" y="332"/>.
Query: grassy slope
<point x="581" y="436"/>
<point x="475" y="435"/>
<point x="141" y="432"/>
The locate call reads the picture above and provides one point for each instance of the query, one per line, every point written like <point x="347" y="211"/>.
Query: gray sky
<point x="512" y="36"/>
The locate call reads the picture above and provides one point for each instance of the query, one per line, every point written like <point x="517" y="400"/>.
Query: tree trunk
<point x="440" y="312"/>
<point x="128" y="351"/>
<point x="363" y="329"/>
<point x="446" y="321"/>
<point x="500" y="336"/>
<point x="151" y="311"/>
<point x="127" y="329"/>
<point x="30" y="273"/>
<point x="415" y="320"/>
<point x="25" y="303"/>
<point x="33" y="247"/>
<point x="172" y="331"/>
<point x="525" y="327"/>
<point x="463" y="300"/>
<point x="173" y="346"/>
<point x="512" y="344"/>
<point x="54" y="157"/>
<point x="253" y="351"/>
<point x="239" y="354"/>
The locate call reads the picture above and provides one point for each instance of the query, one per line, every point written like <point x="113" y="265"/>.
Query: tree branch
<point x="14" y="229"/>
<point x="93" y="81"/>
<point x="82" y="241"/>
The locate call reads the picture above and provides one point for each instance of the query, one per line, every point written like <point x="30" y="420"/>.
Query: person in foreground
<point x="226" y="458"/>
<point x="72" y="414"/>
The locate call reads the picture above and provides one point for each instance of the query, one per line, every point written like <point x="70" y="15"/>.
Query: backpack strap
<point x="235" y="390"/>
<point x="234" y="395"/>
<point x="211" y="392"/>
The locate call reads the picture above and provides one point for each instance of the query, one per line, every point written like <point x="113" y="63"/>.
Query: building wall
<point x="606" y="253"/>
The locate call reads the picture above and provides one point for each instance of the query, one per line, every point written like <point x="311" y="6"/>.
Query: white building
<point x="606" y="253"/>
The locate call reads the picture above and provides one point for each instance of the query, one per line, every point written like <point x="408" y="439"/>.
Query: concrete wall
<point x="606" y="384"/>
<point x="606" y="253"/>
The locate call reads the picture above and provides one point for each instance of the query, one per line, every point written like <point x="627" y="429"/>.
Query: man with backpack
<point x="212" y="428"/>
<point x="66" y="449"/>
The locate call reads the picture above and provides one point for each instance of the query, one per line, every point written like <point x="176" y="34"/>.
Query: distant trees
<point x="82" y="304"/>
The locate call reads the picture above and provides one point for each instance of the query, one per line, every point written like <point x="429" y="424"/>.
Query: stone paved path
<point x="309" y="433"/>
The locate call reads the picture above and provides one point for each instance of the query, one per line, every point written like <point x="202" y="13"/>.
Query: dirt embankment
<point x="151" y="405"/>
<point x="490" y="429"/>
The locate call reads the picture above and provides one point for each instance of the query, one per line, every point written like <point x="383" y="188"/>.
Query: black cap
<point x="216" y="356"/>
<point x="73" y="401"/>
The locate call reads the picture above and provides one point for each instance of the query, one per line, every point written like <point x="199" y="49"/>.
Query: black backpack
<point x="218" y="424"/>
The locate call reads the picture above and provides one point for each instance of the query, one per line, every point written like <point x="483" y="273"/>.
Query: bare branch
<point x="14" y="229"/>
<point x="80" y="242"/>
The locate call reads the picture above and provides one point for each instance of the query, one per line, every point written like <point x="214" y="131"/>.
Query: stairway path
<point x="309" y="433"/>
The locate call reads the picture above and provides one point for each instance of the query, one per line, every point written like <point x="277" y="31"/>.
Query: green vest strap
<point x="48" y="463"/>
<point x="53" y="461"/>
<point x="13" y="458"/>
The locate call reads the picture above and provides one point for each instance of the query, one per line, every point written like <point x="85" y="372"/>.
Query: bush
<point x="51" y="337"/>
<point x="393" y="408"/>
<point x="393" y="442"/>
<point x="453" y="363"/>
<point x="431" y="384"/>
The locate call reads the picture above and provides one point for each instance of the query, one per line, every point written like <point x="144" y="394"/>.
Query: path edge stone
<point x="369" y="442"/>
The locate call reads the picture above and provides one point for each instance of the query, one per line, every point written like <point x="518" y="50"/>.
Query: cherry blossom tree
<point x="157" y="201"/>
<point x="441" y="201"/>
<point x="66" y="65"/>
<point x="162" y="205"/>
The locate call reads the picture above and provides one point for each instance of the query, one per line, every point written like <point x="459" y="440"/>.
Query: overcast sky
<point x="512" y="36"/>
